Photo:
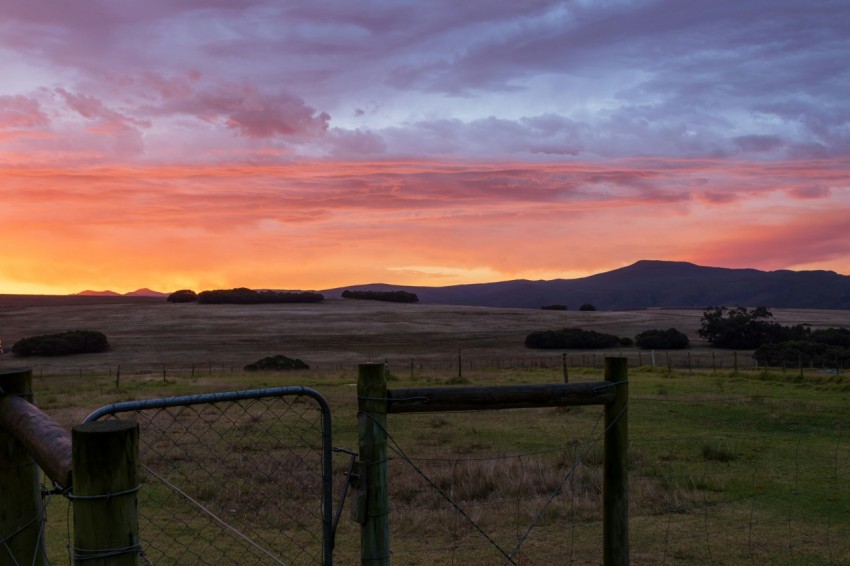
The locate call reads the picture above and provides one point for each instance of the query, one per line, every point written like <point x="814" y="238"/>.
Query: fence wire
<point x="233" y="480"/>
<point x="769" y="486"/>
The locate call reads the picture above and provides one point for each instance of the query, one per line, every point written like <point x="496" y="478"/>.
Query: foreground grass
<point x="730" y="468"/>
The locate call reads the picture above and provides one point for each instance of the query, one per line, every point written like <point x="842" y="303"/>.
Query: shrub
<point x="182" y="296"/>
<point x="806" y="353"/>
<point x="745" y="329"/>
<point x="390" y="296"/>
<point x="587" y="307"/>
<point x="62" y="344"/>
<point x="570" y="338"/>
<point x="276" y="363"/>
<point x="245" y="296"/>
<point x="670" y="339"/>
<point x="832" y="336"/>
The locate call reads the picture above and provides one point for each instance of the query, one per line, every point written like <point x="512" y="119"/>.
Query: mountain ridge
<point x="647" y="284"/>
<point x="143" y="292"/>
<point x="643" y="284"/>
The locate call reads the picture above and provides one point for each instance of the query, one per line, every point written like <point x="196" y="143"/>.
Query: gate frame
<point x="234" y="396"/>
<point x="375" y="401"/>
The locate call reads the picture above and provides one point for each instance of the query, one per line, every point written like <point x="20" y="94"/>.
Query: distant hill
<point x="647" y="284"/>
<point x="143" y="292"/>
<point x="88" y="293"/>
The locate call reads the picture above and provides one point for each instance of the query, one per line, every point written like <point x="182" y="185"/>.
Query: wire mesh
<point x="232" y="480"/>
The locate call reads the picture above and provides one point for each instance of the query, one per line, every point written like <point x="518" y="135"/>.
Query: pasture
<point x="725" y="467"/>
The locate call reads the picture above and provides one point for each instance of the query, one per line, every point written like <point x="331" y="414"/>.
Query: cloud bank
<point x="533" y="139"/>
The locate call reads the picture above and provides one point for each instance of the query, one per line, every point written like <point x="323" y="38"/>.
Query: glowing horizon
<point x="296" y="146"/>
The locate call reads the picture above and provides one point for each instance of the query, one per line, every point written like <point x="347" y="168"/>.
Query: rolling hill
<point x="647" y="284"/>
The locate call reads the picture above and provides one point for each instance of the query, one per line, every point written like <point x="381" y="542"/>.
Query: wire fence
<point x="714" y="478"/>
<point x="238" y="478"/>
<point x="766" y="488"/>
<point x="451" y="364"/>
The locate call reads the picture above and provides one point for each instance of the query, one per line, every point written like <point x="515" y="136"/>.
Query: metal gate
<point x="242" y="477"/>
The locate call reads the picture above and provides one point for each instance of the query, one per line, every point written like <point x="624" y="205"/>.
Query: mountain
<point x="99" y="293"/>
<point x="648" y="284"/>
<point x="143" y="292"/>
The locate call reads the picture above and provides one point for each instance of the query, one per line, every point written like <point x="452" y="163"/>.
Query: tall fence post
<point x="372" y="418"/>
<point x="615" y="486"/>
<point x="105" y="493"/>
<point x="21" y="511"/>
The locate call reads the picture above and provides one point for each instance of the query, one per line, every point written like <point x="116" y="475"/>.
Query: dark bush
<point x="62" y="344"/>
<point x="746" y="329"/>
<point x="182" y="296"/>
<point x="554" y="307"/>
<point x="587" y="307"/>
<point x="390" y="296"/>
<point x="244" y="296"/>
<point x="570" y="338"/>
<point x="805" y="353"/>
<point x="832" y="336"/>
<point x="670" y="339"/>
<point x="276" y="363"/>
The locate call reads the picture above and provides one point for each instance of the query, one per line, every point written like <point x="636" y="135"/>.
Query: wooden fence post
<point x="372" y="417"/>
<point x="615" y="486"/>
<point x="21" y="512"/>
<point x="106" y="483"/>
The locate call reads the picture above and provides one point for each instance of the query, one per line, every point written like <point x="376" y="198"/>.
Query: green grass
<point x="724" y="468"/>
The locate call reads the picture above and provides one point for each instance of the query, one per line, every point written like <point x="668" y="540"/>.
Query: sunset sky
<point x="209" y="144"/>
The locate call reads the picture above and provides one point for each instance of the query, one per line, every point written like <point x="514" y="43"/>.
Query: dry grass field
<point x="153" y="332"/>
<point x="726" y="467"/>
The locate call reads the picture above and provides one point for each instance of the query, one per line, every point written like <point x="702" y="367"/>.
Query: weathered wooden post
<point x="21" y="512"/>
<point x="105" y="493"/>
<point x="615" y="483"/>
<point x="372" y="417"/>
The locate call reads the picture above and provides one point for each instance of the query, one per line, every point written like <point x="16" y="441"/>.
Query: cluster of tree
<point x="744" y="329"/>
<point x="775" y="344"/>
<point x="829" y="347"/>
<point x="670" y="339"/>
<point x="554" y="307"/>
<point x="182" y="296"/>
<point x="391" y="296"/>
<point x="587" y="307"/>
<point x="573" y="338"/>
<point x="277" y="363"/>
<point x="62" y="344"/>
<point x="244" y="296"/>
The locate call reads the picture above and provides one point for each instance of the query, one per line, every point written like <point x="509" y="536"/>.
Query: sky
<point x="206" y="144"/>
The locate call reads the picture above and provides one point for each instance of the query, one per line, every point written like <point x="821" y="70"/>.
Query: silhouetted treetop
<point x="244" y="296"/>
<point x="391" y="296"/>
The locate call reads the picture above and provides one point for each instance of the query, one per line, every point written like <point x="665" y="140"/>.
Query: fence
<point x="455" y="364"/>
<point x="236" y="478"/>
<point x="729" y="472"/>
<point x="241" y="477"/>
<point x="375" y="402"/>
<point x="101" y="461"/>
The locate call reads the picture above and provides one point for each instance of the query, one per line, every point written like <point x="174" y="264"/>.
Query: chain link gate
<point x="241" y="477"/>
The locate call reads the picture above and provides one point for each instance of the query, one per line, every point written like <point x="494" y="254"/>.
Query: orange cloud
<point x="323" y="224"/>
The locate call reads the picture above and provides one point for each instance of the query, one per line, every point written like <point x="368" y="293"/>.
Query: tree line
<point x="244" y="296"/>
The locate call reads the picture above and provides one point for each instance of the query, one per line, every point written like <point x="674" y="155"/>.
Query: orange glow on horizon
<point x="320" y="224"/>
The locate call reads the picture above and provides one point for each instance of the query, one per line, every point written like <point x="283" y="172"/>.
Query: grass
<point x="725" y="467"/>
